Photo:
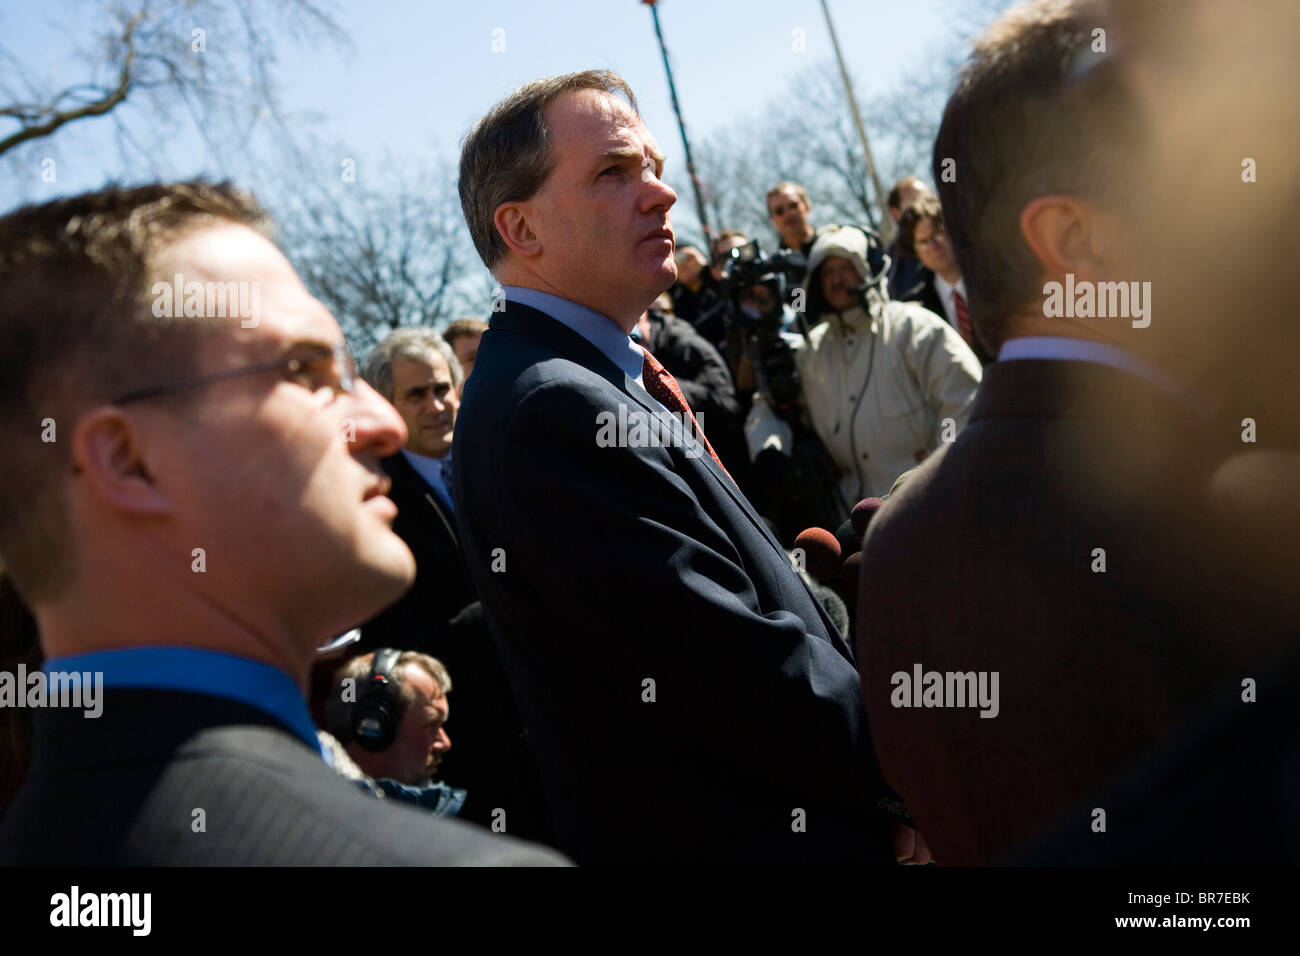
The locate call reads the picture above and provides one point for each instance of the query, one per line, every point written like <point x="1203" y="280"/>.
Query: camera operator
<point x="792" y="485"/>
<point x="883" y="383"/>
<point x="697" y="297"/>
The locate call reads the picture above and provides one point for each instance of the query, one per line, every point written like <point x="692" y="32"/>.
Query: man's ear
<point x="109" y="452"/>
<point x="1059" y="230"/>
<point x="511" y="220"/>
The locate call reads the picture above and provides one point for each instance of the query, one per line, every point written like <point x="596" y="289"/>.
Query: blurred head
<point x="690" y="265"/>
<point x="421" y="742"/>
<point x="922" y="236"/>
<point x="416" y="370"/>
<point x="788" y="207"/>
<point x="271" y="467"/>
<point x="838" y="278"/>
<point x="905" y="192"/>
<point x="463" y="336"/>
<point x="561" y="187"/>
<point x="1047" y="145"/>
<point x="1216" y="83"/>
<point x="838" y="263"/>
<point x="727" y="240"/>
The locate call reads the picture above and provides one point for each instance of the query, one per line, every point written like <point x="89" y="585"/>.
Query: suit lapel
<point x="403" y="472"/>
<point x="532" y="323"/>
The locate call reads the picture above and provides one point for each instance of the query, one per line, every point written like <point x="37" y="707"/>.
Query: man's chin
<point x="665" y="277"/>
<point x="389" y="571"/>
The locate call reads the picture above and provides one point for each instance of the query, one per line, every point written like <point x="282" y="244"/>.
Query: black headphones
<point x="378" y="709"/>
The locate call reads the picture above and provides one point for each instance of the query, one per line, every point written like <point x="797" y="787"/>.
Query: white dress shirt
<point x="948" y="297"/>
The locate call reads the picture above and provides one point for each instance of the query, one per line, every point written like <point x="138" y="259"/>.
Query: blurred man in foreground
<point x="201" y="508"/>
<point x="1106" y="601"/>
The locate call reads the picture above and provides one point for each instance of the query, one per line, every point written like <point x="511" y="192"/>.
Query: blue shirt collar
<point x="201" y="672"/>
<point x="600" y="330"/>
<point x="1068" y="348"/>
<point x="434" y="471"/>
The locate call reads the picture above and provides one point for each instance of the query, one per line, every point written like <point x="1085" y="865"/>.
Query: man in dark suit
<point x="941" y="289"/>
<point x="209" y="511"/>
<point x="688" y="700"/>
<point x="1224" y="787"/>
<point x="418" y="373"/>
<point x="416" y="370"/>
<point x="1066" y="543"/>
<point x="908" y="278"/>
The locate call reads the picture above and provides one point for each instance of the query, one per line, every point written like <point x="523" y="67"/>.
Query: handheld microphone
<point x="862" y="514"/>
<point x="821" y="553"/>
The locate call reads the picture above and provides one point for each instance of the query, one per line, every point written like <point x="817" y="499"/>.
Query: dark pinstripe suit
<point x="123" y="789"/>
<point x="628" y="564"/>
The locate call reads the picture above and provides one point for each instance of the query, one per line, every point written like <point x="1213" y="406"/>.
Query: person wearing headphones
<point x="884" y="383"/>
<point x="389" y="710"/>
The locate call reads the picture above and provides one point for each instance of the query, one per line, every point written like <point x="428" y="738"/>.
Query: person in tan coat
<point x="885" y="383"/>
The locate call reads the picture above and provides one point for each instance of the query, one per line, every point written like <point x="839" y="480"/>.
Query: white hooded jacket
<point x="878" y="386"/>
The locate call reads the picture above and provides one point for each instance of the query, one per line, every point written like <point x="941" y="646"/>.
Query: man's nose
<point x="442" y="743"/>
<point x="658" y="193"/>
<point x="373" y="425"/>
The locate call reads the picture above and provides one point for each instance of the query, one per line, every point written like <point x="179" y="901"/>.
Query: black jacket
<point x="440" y="615"/>
<point x="1066" y="532"/>
<point x="706" y="382"/>
<point x="123" y="790"/>
<point x="688" y="699"/>
<point x="704" y="308"/>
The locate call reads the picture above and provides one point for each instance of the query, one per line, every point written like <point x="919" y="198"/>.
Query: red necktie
<point x="963" y="317"/>
<point x="664" y="389"/>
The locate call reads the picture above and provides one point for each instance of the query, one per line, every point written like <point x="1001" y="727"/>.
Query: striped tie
<point x="664" y="389"/>
<point x="963" y="317"/>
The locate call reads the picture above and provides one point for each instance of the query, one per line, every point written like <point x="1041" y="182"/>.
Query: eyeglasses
<point x="312" y="367"/>
<point x="934" y="240"/>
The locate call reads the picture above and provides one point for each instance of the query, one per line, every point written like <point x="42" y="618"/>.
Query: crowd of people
<point x="1013" y="586"/>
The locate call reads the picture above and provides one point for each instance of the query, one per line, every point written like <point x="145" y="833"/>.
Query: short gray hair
<point x="417" y="343"/>
<point x="338" y="712"/>
<point x="507" y="156"/>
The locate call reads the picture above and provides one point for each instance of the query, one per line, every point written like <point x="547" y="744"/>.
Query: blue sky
<point x="420" y="72"/>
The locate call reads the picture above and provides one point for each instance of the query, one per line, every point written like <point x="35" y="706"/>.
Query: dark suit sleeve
<point x="620" y="546"/>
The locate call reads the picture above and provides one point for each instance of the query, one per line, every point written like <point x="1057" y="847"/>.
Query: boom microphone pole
<point x="681" y="125"/>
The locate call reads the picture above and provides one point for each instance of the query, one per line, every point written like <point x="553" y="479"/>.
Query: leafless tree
<point x="382" y="247"/>
<point x="807" y="135"/>
<point x="153" y="66"/>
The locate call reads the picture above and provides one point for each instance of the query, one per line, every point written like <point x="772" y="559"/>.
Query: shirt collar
<point x="199" y="671"/>
<point x="946" y="288"/>
<point x="1067" y="348"/>
<point x="600" y="330"/>
<point x="433" y="471"/>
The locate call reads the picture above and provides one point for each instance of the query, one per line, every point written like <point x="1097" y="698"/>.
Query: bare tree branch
<point x="215" y="60"/>
<point x="34" y="128"/>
